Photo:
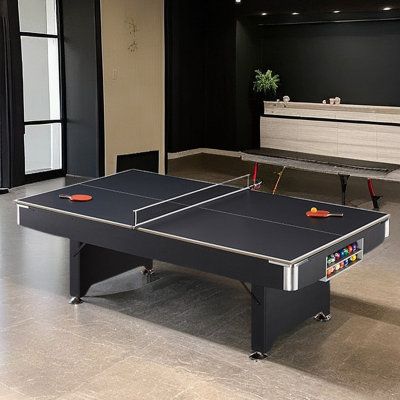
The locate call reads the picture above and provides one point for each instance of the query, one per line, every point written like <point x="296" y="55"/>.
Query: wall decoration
<point x="132" y="34"/>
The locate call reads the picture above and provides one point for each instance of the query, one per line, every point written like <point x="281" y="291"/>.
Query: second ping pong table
<point x="267" y="241"/>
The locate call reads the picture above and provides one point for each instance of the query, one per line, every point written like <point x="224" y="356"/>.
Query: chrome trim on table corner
<point x="291" y="278"/>
<point x="387" y="228"/>
<point x="19" y="206"/>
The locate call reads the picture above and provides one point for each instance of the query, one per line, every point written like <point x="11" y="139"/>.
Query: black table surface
<point x="254" y="222"/>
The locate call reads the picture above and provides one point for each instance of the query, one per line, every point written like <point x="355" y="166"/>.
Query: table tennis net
<point x="190" y="200"/>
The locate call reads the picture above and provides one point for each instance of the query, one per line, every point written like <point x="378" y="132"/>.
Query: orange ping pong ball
<point x="314" y="210"/>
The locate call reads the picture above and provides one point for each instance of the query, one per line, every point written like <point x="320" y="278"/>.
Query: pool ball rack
<point x="347" y="259"/>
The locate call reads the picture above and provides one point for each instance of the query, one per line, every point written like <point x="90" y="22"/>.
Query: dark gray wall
<point x="220" y="126"/>
<point x="248" y="105"/>
<point x="359" y="62"/>
<point x="185" y="75"/>
<point x="212" y="58"/>
<point x="200" y="74"/>
<point x="83" y="88"/>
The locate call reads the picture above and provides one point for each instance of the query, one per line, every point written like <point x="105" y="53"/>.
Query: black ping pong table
<point x="266" y="241"/>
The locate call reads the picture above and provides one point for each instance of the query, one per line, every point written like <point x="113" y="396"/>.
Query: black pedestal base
<point x="91" y="264"/>
<point x="275" y="311"/>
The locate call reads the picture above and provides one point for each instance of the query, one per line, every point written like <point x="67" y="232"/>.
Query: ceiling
<point x="280" y="11"/>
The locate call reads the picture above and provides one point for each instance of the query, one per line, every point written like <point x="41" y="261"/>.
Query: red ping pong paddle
<point x="76" y="197"/>
<point x="322" y="214"/>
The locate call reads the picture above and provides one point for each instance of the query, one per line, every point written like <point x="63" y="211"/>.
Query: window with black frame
<point x="40" y="46"/>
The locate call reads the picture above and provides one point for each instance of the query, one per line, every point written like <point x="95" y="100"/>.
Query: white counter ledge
<point x="349" y="112"/>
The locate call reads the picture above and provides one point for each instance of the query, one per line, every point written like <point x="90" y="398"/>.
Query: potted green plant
<point x="266" y="83"/>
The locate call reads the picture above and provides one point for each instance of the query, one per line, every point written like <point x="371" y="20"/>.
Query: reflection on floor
<point x="187" y="334"/>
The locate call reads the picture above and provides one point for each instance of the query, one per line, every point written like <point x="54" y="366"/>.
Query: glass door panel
<point x="38" y="16"/>
<point x="44" y="124"/>
<point x="43" y="148"/>
<point x="41" y="78"/>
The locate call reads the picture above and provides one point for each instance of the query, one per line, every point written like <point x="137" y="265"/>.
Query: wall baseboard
<point x="193" y="152"/>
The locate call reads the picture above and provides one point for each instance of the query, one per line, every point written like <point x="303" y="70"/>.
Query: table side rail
<point x="217" y="261"/>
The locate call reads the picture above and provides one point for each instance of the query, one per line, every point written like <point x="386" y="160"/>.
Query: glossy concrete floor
<point x="187" y="335"/>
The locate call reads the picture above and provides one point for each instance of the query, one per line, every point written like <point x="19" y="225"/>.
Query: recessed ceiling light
<point x="387" y="8"/>
<point x="295" y="13"/>
<point x="264" y="14"/>
<point x="336" y="11"/>
<point x="238" y="1"/>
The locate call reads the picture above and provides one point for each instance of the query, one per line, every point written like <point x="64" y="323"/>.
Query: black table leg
<point x="374" y="198"/>
<point x="91" y="264"/>
<point x="276" y="311"/>
<point x="344" y="179"/>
